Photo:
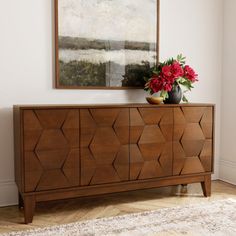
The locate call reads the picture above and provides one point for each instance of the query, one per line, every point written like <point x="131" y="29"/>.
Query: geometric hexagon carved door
<point x="104" y="145"/>
<point x="151" y="131"/>
<point x="51" y="149"/>
<point x="192" y="144"/>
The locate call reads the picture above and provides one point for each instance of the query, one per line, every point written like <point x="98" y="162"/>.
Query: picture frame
<point x="89" y="56"/>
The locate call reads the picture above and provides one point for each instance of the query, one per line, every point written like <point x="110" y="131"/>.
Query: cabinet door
<point x="104" y="145"/>
<point x="51" y="148"/>
<point x="193" y="134"/>
<point x="151" y="131"/>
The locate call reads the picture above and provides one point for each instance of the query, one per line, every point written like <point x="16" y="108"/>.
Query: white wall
<point x="228" y="127"/>
<point x="191" y="27"/>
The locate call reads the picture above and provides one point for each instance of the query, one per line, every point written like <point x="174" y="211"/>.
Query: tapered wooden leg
<point x="206" y="186"/>
<point x="29" y="207"/>
<point x="20" y="201"/>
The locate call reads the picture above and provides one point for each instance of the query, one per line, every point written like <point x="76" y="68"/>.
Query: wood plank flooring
<point x="67" y="211"/>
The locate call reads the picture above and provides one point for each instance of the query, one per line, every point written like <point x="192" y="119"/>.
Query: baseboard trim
<point x="8" y="193"/>
<point x="215" y="175"/>
<point x="228" y="171"/>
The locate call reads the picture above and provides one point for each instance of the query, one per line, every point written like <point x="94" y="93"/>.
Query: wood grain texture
<point x="105" y="150"/>
<point x="206" y="186"/>
<point x="193" y="140"/>
<point x="108" y="105"/>
<point x="116" y="187"/>
<point x="18" y="150"/>
<point x="83" y="150"/>
<point x="51" y="149"/>
<point x="151" y="132"/>
<point x="29" y="208"/>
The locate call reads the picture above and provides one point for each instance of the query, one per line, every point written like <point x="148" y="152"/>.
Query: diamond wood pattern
<point x="51" y="149"/>
<point x="151" y="142"/>
<point x="83" y="150"/>
<point x="192" y="144"/>
<point x="104" y="146"/>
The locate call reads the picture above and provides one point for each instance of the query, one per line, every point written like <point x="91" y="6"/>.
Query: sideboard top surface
<point x="128" y="105"/>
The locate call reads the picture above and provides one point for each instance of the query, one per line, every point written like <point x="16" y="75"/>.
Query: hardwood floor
<point x="67" y="211"/>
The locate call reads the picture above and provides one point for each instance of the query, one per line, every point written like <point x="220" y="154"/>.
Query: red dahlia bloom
<point x="155" y="84"/>
<point x="167" y="87"/>
<point x="177" y="70"/>
<point x="170" y="79"/>
<point x="190" y="74"/>
<point x="166" y="71"/>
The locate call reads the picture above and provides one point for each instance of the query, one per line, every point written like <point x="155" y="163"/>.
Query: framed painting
<point x="107" y="44"/>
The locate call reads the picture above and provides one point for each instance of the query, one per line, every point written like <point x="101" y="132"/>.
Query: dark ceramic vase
<point x="175" y="95"/>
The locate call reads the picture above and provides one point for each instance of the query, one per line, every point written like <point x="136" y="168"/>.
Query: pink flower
<point x="190" y="74"/>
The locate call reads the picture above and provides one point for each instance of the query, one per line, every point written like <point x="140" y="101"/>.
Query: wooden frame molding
<point x="57" y="84"/>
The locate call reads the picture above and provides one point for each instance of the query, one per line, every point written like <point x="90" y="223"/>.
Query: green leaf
<point x="181" y="59"/>
<point x="164" y="94"/>
<point x="181" y="80"/>
<point x="184" y="99"/>
<point x="186" y="83"/>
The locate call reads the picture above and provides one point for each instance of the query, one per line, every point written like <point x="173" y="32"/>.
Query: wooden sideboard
<point x="67" y="151"/>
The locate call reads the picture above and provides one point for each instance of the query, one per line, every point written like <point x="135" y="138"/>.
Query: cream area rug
<point x="216" y="218"/>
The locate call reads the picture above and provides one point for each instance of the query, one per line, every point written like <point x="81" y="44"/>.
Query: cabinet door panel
<point x="151" y="131"/>
<point x="104" y="145"/>
<point x="51" y="149"/>
<point x="192" y="146"/>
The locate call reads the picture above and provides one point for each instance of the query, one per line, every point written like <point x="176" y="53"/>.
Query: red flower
<point x="166" y="71"/>
<point x="155" y="84"/>
<point x="171" y="79"/>
<point x="190" y="74"/>
<point x="169" y="73"/>
<point x="167" y="86"/>
<point x="161" y="82"/>
<point x="177" y="70"/>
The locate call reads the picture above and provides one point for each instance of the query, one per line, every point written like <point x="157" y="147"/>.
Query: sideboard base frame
<point x="28" y="200"/>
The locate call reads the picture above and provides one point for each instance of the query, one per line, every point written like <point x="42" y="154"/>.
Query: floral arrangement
<point x="168" y="74"/>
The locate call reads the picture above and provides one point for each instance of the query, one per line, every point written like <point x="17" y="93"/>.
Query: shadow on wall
<point x="8" y="189"/>
<point x="6" y="144"/>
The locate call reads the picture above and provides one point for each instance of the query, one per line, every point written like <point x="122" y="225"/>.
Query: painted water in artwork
<point x="106" y="43"/>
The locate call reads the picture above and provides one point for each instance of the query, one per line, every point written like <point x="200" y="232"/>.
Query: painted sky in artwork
<point x="132" y="20"/>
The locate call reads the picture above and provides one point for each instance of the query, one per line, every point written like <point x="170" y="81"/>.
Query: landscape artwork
<point x="105" y="43"/>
